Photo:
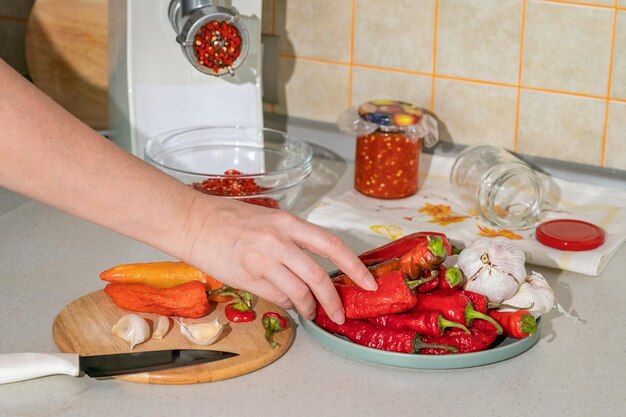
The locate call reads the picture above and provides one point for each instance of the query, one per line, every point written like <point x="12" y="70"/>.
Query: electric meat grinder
<point x="177" y="64"/>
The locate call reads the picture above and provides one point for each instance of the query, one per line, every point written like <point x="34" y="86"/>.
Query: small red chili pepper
<point x="394" y="295"/>
<point x="240" y="311"/>
<point x="451" y="278"/>
<point x="481" y="337"/>
<point x="273" y="323"/>
<point x="398" y="247"/>
<point x="431" y="282"/>
<point x="425" y="256"/>
<point x="482" y="304"/>
<point x="518" y="324"/>
<point x="453" y="306"/>
<point x="426" y="323"/>
<point x="362" y="333"/>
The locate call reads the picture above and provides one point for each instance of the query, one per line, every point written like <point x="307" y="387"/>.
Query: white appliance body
<point x="153" y="88"/>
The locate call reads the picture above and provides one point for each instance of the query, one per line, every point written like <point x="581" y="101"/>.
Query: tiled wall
<point x="540" y="77"/>
<point x="13" y="18"/>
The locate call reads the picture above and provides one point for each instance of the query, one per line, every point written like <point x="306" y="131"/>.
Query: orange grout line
<point x="435" y="29"/>
<point x="573" y="3"/>
<point x="618" y="100"/>
<point x="449" y="77"/>
<point x="519" y="75"/>
<point x="352" y="18"/>
<point x="398" y="70"/>
<point x="608" y="87"/>
<point x="474" y="81"/>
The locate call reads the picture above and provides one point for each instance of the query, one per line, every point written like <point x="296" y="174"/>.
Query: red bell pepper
<point x="240" y="311"/>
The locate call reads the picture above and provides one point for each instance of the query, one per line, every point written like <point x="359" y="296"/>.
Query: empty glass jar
<point x="499" y="186"/>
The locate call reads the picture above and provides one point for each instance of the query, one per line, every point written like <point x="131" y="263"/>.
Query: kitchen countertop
<point x="50" y="258"/>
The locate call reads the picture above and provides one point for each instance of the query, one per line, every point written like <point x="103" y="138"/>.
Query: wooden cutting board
<point x="84" y="327"/>
<point x="67" y="55"/>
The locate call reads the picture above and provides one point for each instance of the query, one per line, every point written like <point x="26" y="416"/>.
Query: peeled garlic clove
<point x="162" y="326"/>
<point x="133" y="329"/>
<point x="494" y="267"/>
<point x="201" y="333"/>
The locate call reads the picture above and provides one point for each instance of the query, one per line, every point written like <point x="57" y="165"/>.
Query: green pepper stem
<point x="418" y="344"/>
<point x="417" y="282"/>
<point x="444" y="324"/>
<point x="453" y="276"/>
<point x="435" y="245"/>
<point x="502" y="305"/>
<point x="269" y="336"/>
<point x="528" y="324"/>
<point x="471" y="314"/>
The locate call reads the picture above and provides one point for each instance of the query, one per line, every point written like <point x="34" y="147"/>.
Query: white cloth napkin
<point x="434" y="208"/>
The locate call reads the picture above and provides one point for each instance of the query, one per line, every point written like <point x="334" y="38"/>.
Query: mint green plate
<point x="506" y="348"/>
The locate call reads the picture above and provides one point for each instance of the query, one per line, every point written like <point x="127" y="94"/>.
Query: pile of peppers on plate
<point x="420" y="306"/>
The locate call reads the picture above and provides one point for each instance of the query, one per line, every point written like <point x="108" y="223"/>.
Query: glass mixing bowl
<point x="259" y="166"/>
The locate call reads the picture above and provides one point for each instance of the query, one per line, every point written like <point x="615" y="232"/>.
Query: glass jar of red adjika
<point x="388" y="147"/>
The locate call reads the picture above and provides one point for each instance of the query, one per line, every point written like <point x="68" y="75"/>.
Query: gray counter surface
<point x="49" y="258"/>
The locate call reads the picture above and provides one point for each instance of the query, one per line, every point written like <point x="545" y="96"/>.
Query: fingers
<point x="313" y="278"/>
<point x="327" y="245"/>
<point x="268" y="291"/>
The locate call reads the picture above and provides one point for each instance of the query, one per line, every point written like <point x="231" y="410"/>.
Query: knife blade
<point x="28" y="365"/>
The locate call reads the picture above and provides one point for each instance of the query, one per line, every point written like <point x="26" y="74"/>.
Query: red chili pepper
<point x="273" y="323"/>
<point x="425" y="256"/>
<point x="394" y="295"/>
<point x="426" y="323"/>
<point x="451" y="278"/>
<point x="241" y="311"/>
<point x="518" y="324"/>
<point x="398" y="247"/>
<point x="453" y="306"/>
<point x="483" y="305"/>
<point x="376" y="270"/>
<point x="431" y="282"/>
<point x="362" y="333"/>
<point x="481" y="337"/>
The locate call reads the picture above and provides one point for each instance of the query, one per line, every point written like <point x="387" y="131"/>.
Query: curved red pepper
<point x="453" y="306"/>
<point x="362" y="333"/>
<point x="273" y="323"/>
<point x="424" y="256"/>
<point x="482" y="335"/>
<point x="426" y="323"/>
<point x="398" y="247"/>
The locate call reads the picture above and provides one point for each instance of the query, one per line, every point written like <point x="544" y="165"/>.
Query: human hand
<point x="262" y="250"/>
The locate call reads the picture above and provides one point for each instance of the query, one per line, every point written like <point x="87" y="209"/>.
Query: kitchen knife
<point x="22" y="366"/>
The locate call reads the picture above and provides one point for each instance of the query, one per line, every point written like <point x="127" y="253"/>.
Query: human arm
<point x="48" y="155"/>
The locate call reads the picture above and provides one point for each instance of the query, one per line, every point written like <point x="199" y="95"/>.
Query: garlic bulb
<point x="162" y="326"/>
<point x="536" y="292"/>
<point x="133" y="329"/>
<point x="201" y="333"/>
<point x="494" y="267"/>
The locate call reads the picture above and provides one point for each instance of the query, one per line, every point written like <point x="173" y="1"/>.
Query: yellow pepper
<point x="162" y="275"/>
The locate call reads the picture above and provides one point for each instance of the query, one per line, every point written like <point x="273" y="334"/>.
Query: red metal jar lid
<point x="572" y="235"/>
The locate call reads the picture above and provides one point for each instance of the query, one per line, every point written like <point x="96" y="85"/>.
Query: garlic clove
<point x="161" y="328"/>
<point x="132" y="328"/>
<point x="201" y="333"/>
